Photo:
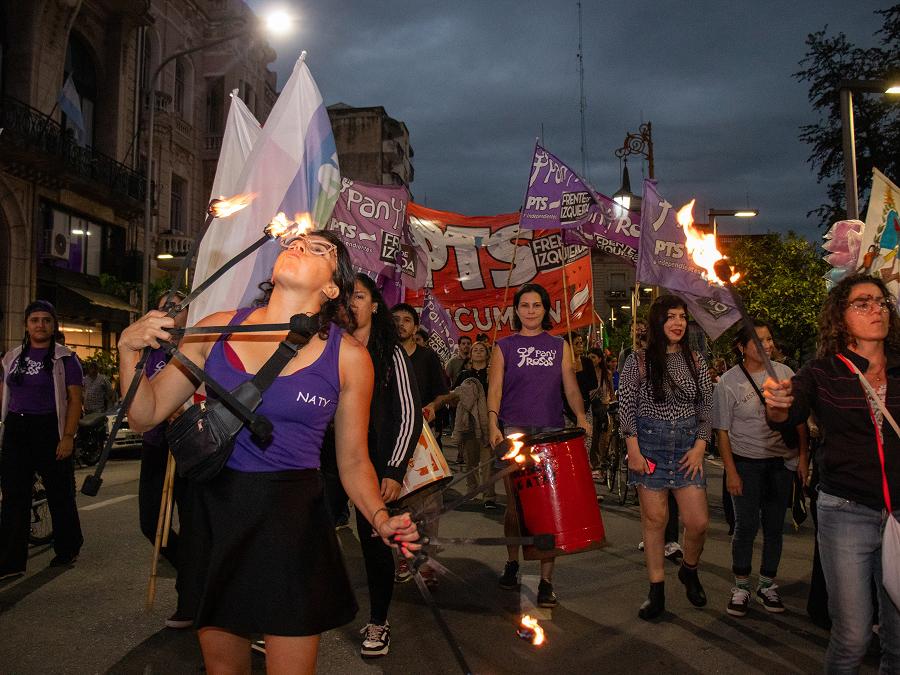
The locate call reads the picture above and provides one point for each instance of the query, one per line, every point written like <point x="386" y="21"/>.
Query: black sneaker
<point x="768" y="597"/>
<point x="376" y="640"/>
<point x="179" y="620"/>
<point x="490" y="505"/>
<point x="546" y="597"/>
<point x="63" y="560"/>
<point x="739" y="603"/>
<point x="510" y="579"/>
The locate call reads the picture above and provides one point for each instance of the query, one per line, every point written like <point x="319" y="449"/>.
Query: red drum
<point x="557" y="495"/>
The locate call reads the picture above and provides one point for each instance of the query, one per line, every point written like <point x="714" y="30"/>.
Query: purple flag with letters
<point x="609" y="228"/>
<point x="442" y="332"/>
<point x="663" y="260"/>
<point x="556" y="196"/>
<point x="371" y="221"/>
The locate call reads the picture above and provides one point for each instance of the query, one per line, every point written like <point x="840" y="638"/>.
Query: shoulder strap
<point x="762" y="398"/>
<point x="873" y="396"/>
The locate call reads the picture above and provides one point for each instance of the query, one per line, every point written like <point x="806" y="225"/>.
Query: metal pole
<point x="145" y="281"/>
<point x="849" y="146"/>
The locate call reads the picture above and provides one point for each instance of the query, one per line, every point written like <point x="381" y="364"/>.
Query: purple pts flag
<point x="663" y="260"/>
<point x="609" y="228"/>
<point x="556" y="196"/>
<point x="371" y="220"/>
<point x="442" y="332"/>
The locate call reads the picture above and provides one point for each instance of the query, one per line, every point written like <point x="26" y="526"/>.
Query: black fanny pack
<point x="202" y="438"/>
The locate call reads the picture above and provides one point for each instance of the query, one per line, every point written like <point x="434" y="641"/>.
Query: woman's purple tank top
<point x="300" y="406"/>
<point x="532" y="380"/>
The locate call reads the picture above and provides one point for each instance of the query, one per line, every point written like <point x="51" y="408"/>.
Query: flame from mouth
<point x="702" y="247"/>
<point x="222" y="208"/>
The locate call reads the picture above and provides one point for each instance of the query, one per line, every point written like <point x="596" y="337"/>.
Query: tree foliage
<point x="828" y="60"/>
<point x="781" y="282"/>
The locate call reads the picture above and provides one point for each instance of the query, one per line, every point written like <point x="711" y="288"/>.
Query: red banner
<point x="469" y="261"/>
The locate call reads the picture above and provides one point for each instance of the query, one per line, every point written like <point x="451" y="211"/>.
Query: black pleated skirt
<point x="269" y="561"/>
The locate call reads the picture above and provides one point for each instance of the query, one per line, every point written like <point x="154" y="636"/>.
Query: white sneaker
<point x="673" y="551"/>
<point x="376" y="640"/>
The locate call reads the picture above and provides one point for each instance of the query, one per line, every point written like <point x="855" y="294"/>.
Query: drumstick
<point x="168" y="494"/>
<point x="157" y="543"/>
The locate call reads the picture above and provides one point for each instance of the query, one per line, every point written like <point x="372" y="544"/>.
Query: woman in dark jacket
<point x="858" y="325"/>
<point x="394" y="427"/>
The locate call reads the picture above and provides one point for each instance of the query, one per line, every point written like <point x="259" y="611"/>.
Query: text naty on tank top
<point x="532" y="380"/>
<point x="300" y="406"/>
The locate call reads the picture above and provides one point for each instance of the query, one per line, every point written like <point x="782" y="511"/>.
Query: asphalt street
<point x="92" y="618"/>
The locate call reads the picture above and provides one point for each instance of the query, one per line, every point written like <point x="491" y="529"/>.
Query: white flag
<point x="241" y="131"/>
<point x="292" y="168"/>
<point x="880" y="245"/>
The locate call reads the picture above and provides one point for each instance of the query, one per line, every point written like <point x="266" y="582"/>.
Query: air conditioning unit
<point x="59" y="239"/>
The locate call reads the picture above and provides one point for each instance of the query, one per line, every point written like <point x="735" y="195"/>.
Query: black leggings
<point x="29" y="446"/>
<point x="379" y="560"/>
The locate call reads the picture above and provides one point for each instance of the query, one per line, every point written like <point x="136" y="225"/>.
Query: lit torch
<point x="218" y="208"/>
<point x="716" y="270"/>
<point x="531" y="630"/>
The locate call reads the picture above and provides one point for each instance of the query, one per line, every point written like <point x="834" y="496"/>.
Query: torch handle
<point x="748" y="324"/>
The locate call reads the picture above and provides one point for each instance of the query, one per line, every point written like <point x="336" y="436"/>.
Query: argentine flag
<point x="70" y="103"/>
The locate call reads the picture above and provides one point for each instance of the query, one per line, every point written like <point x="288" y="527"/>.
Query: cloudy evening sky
<point x="475" y="80"/>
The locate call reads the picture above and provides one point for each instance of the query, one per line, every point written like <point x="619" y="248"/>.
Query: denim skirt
<point x="665" y="443"/>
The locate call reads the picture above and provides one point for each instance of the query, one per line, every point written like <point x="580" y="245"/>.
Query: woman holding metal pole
<point x="665" y="397"/>
<point x="271" y="561"/>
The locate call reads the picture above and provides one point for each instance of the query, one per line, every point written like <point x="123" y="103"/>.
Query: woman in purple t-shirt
<point x="529" y="370"/>
<point x="271" y="563"/>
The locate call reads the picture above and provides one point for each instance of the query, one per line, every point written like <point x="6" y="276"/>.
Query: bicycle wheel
<point x="622" y="476"/>
<point x="612" y="463"/>
<point x="41" y="526"/>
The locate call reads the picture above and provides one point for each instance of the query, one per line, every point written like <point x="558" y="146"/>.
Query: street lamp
<point x="846" y="89"/>
<point x="276" y="23"/>
<point x="624" y="196"/>
<point x="738" y="213"/>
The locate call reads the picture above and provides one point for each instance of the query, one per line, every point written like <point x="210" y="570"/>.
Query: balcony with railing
<point x="38" y="148"/>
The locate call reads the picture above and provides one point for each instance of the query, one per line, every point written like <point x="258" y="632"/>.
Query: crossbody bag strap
<point x="873" y="396"/>
<point x="762" y="398"/>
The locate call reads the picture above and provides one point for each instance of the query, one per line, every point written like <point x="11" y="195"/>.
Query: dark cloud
<point x="475" y="81"/>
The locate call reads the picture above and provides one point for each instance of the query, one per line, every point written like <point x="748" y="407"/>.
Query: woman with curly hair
<point x="271" y="564"/>
<point x="858" y="325"/>
<point x="665" y="398"/>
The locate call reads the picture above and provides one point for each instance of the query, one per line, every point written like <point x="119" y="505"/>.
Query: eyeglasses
<point x="314" y="246"/>
<point x="865" y="305"/>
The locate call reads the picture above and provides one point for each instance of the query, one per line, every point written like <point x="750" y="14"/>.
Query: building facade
<point x="72" y="196"/>
<point x="372" y="147"/>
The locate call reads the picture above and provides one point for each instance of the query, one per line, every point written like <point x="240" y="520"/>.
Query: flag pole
<point x="512" y="264"/>
<point x="566" y="297"/>
<point x="593" y="313"/>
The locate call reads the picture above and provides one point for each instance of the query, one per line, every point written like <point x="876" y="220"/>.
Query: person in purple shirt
<point x="271" y="563"/>
<point x="42" y="396"/>
<point x="529" y="371"/>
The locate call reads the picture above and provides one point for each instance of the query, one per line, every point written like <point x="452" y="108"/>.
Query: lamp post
<point x="738" y="213"/>
<point x="846" y="89"/>
<point x="276" y="23"/>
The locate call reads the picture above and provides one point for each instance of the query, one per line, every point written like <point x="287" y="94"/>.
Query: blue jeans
<point x="850" y="546"/>
<point x="766" y="493"/>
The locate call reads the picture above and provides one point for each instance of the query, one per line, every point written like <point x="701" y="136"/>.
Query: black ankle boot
<point x="695" y="593"/>
<point x="655" y="604"/>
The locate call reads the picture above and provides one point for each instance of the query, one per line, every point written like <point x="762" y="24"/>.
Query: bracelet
<point x="383" y="508"/>
<point x="495" y="412"/>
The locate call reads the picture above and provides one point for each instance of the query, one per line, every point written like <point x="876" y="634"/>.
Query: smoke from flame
<point x="222" y="208"/>
<point x="701" y="246"/>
